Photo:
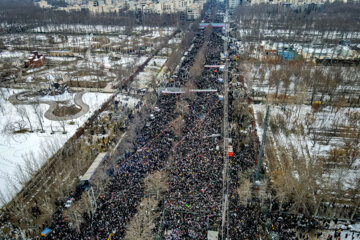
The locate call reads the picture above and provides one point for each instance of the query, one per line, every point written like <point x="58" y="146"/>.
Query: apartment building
<point x="293" y="2"/>
<point x="234" y="3"/>
<point x="192" y="8"/>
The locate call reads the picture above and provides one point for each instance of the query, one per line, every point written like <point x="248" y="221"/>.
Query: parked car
<point x="69" y="202"/>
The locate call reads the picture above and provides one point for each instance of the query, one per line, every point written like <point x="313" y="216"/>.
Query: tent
<point x="45" y="232"/>
<point x="94" y="166"/>
<point x="230" y="151"/>
<point x="213" y="235"/>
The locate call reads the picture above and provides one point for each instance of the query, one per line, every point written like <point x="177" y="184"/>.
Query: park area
<point x="28" y="139"/>
<point x="312" y="145"/>
<point x="55" y="77"/>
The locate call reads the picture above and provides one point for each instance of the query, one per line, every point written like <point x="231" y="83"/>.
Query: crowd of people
<point x="125" y="189"/>
<point x="195" y="174"/>
<point x="193" y="204"/>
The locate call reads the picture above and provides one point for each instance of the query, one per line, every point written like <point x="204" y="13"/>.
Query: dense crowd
<point x="192" y="206"/>
<point x="196" y="174"/>
<point x="125" y="189"/>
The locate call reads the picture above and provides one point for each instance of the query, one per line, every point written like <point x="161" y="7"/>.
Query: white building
<point x="192" y="8"/>
<point x="295" y="2"/>
<point x="234" y="3"/>
<point x="43" y="4"/>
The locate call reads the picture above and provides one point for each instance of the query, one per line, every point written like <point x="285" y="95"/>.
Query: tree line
<point x="328" y="17"/>
<point x="18" y="16"/>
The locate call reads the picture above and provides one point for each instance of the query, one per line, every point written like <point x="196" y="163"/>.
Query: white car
<point x="68" y="203"/>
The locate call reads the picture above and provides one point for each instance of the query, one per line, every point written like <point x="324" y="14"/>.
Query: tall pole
<point x="262" y="143"/>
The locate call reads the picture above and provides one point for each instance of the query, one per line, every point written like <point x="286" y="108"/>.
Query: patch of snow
<point x="16" y="149"/>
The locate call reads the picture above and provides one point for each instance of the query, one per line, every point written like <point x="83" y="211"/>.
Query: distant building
<point x="35" y="60"/>
<point x="312" y="52"/>
<point x="234" y="3"/>
<point x="191" y="8"/>
<point x="43" y="4"/>
<point x="293" y="2"/>
<point x="286" y="54"/>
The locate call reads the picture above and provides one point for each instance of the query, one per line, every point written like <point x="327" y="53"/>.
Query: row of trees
<point x="64" y="164"/>
<point x="28" y="120"/>
<point x="289" y="80"/>
<point x="142" y="225"/>
<point x="306" y="174"/>
<point x="310" y="184"/>
<point x="186" y="42"/>
<point x="21" y="15"/>
<point x="328" y="17"/>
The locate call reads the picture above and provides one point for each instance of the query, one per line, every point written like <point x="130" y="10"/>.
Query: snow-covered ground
<point x="259" y="75"/>
<point x="127" y="101"/>
<point x="91" y="29"/>
<point x="150" y="72"/>
<point x="323" y="120"/>
<point x="266" y="32"/>
<point x="12" y="54"/>
<point x="21" y="152"/>
<point x="349" y="232"/>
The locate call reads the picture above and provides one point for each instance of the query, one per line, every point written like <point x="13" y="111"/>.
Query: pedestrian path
<point x="49" y="114"/>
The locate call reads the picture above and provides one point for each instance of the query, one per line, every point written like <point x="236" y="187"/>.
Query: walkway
<point x="49" y="113"/>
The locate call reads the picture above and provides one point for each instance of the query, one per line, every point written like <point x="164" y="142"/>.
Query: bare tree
<point x="24" y="114"/>
<point x="62" y="124"/>
<point x="143" y="223"/>
<point x="178" y="127"/>
<point x="182" y="107"/>
<point x="197" y="68"/>
<point x="10" y="128"/>
<point x="156" y="183"/>
<point x="75" y="213"/>
<point x="30" y="162"/>
<point x="285" y="78"/>
<point x="274" y="80"/>
<point x="244" y="190"/>
<point x="2" y="109"/>
<point x="39" y="114"/>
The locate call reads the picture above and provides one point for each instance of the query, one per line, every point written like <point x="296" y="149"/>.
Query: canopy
<point x="94" y="166"/>
<point x="45" y="232"/>
<point x="212" y="235"/>
<point x="214" y="66"/>
<point x="230" y="151"/>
